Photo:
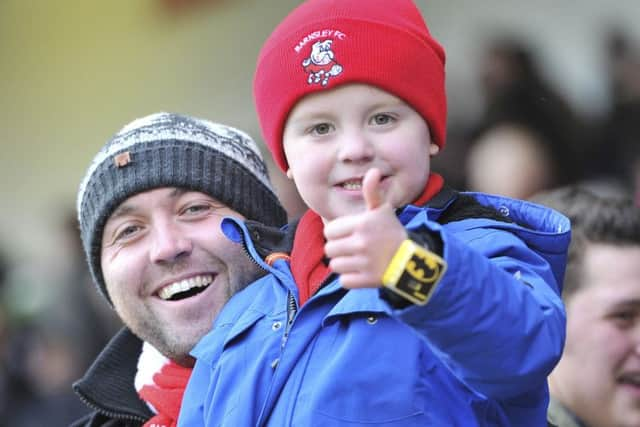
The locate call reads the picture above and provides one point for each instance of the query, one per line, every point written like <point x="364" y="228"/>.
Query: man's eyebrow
<point x="127" y="208"/>
<point x="123" y="210"/>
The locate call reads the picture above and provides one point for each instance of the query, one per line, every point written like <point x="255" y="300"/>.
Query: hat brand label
<point x="321" y="34"/>
<point x="122" y="159"/>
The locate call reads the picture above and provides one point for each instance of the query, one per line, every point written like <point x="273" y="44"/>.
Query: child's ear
<point x="434" y="149"/>
<point x="290" y="174"/>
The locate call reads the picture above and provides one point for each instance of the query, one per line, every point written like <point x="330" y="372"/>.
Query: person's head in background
<point x="510" y="159"/>
<point x="622" y="55"/>
<point x="510" y="68"/>
<point x="526" y="138"/>
<point x="336" y="103"/>
<point x="598" y="376"/>
<point x="507" y="62"/>
<point x="619" y="134"/>
<point x="150" y="207"/>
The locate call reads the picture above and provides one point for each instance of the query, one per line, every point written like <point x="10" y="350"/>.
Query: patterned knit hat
<point x="171" y="150"/>
<point x="326" y="43"/>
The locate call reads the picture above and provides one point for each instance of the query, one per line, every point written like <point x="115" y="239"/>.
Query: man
<point x="597" y="381"/>
<point x="150" y="208"/>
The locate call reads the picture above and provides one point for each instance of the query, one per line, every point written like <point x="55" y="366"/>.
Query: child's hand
<point x="361" y="246"/>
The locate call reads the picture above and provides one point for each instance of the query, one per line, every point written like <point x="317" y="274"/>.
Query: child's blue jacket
<point x="477" y="354"/>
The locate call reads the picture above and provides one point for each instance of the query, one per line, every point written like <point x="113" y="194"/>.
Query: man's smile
<point x="185" y="288"/>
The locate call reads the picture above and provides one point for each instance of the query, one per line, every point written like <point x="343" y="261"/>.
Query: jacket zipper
<point x="114" y="415"/>
<point x="254" y="235"/>
<point x="292" y="309"/>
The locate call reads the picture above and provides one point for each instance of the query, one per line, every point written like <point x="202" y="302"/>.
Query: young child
<point x="394" y="300"/>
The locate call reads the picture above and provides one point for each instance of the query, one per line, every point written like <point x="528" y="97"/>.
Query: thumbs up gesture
<point x="360" y="246"/>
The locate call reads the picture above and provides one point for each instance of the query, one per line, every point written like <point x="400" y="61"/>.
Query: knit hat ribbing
<point x="171" y="150"/>
<point x="325" y="43"/>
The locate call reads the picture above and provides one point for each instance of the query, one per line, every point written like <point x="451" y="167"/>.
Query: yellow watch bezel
<point x="414" y="272"/>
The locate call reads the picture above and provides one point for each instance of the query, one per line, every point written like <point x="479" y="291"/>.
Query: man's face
<point x="598" y="377"/>
<point x="169" y="269"/>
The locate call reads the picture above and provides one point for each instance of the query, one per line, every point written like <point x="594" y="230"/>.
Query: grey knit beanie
<point x="172" y="150"/>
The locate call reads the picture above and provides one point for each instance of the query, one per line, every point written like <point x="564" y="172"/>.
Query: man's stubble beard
<point x="175" y="344"/>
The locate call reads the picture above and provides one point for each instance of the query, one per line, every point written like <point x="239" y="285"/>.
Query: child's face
<point x="332" y="138"/>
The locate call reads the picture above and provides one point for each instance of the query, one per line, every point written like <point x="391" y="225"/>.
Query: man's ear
<point x="433" y="149"/>
<point x="290" y="174"/>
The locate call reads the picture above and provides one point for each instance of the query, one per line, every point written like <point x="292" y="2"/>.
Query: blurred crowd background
<point x="540" y="94"/>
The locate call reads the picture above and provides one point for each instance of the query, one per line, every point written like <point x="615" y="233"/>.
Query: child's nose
<point x="169" y="243"/>
<point x="356" y="147"/>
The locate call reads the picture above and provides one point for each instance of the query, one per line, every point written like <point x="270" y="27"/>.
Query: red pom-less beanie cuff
<point x="326" y="43"/>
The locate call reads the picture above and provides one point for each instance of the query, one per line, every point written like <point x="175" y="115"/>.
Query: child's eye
<point x="382" y="119"/>
<point x="624" y="319"/>
<point x="321" y="129"/>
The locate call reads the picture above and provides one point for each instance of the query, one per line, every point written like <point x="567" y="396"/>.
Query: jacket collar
<point x="108" y="385"/>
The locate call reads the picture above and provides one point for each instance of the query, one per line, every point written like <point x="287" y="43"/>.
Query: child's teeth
<point x="352" y="185"/>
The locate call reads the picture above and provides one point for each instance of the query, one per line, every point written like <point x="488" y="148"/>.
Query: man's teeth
<point x="352" y="185"/>
<point x="184" y="285"/>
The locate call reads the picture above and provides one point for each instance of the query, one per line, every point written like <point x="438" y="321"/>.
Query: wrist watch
<point x="414" y="272"/>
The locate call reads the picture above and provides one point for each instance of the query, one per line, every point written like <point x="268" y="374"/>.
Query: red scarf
<point x="307" y="254"/>
<point x="165" y="395"/>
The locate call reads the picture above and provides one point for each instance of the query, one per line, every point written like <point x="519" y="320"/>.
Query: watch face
<point x="417" y="277"/>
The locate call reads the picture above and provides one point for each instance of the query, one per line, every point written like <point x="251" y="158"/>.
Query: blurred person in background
<point x="526" y="139"/>
<point x="512" y="160"/>
<point x="15" y="391"/>
<point x="597" y="381"/>
<point x="150" y="208"/>
<point x="59" y="344"/>
<point x="514" y="87"/>
<point x="617" y="134"/>
<point x="38" y="358"/>
<point x="49" y="357"/>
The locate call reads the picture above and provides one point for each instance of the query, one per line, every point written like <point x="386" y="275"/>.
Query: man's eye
<point x="200" y="210"/>
<point x="321" y="129"/>
<point x="194" y="209"/>
<point x="127" y="232"/>
<point x="382" y="119"/>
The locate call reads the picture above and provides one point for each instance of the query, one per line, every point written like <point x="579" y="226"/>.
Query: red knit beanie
<point x="325" y="43"/>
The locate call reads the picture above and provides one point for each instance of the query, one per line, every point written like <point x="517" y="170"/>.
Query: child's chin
<point x="352" y="209"/>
